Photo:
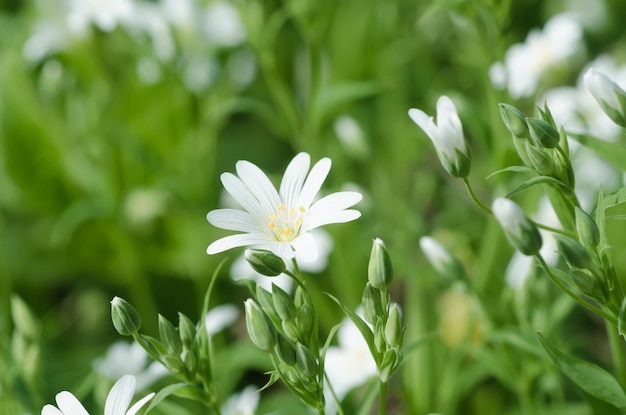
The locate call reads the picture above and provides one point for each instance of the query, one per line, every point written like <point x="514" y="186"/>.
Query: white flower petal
<point x="314" y="182"/>
<point x="240" y="192"/>
<point x="293" y="179"/>
<point x="50" y="410"/>
<point x="330" y="209"/>
<point x="283" y="250"/>
<point x="220" y="317"/>
<point x="120" y="396"/>
<point x="137" y="406"/>
<point x="422" y="120"/>
<point x="306" y="247"/>
<point x="69" y="405"/>
<point x="259" y="185"/>
<point x="233" y="220"/>
<point x="234" y="241"/>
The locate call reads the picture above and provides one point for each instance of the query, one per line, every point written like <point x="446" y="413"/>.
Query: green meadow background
<point x="106" y="179"/>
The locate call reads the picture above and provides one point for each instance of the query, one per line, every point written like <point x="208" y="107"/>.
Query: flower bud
<point x="514" y="120"/>
<point x="585" y="282"/>
<point x="519" y="230"/>
<point x="539" y="159"/>
<point x="543" y="133"/>
<point x="291" y="330"/>
<point x="125" y="318"/>
<point x="305" y="361"/>
<point x="379" y="270"/>
<point x="394" y="331"/>
<point x="260" y="330"/>
<point x="286" y="351"/>
<point x="304" y="318"/>
<point x="265" y="262"/>
<point x="187" y="331"/>
<point x="391" y="361"/>
<point x="610" y="97"/>
<point x="372" y="303"/>
<point x="266" y="301"/>
<point x="283" y="304"/>
<point x="588" y="232"/>
<point x="575" y="254"/>
<point x="169" y="336"/>
<point x="445" y="264"/>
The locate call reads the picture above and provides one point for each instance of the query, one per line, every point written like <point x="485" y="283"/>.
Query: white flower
<point x="116" y="404"/>
<point x="220" y="317"/>
<point x="222" y="25"/>
<point x="608" y="94"/>
<point x="243" y="403"/>
<point x="124" y="358"/>
<point x="350" y="364"/>
<point x="280" y="221"/>
<point x="525" y="63"/>
<point x="446" y="134"/>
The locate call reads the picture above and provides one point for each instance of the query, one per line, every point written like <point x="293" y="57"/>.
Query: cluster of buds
<point x="183" y="349"/>
<point x="285" y="327"/>
<point x="383" y="315"/>
<point x="540" y="144"/>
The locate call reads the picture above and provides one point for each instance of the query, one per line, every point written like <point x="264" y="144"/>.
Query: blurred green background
<point x="112" y="141"/>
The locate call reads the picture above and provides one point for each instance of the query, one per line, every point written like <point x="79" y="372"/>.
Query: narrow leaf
<point x="613" y="152"/>
<point x="534" y="181"/>
<point x="517" y="169"/>
<point x="589" y="377"/>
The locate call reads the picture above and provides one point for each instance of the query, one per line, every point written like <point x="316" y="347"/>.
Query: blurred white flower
<point x="123" y="358"/>
<point x="351" y="136"/>
<point x="220" y="317"/>
<point x="242" y="67"/>
<point x="149" y="20"/>
<point x="106" y="15"/>
<point x="143" y="205"/>
<point x="349" y="364"/>
<point x="280" y="221"/>
<point x="240" y="269"/>
<point x="199" y="73"/>
<point x="180" y="13"/>
<point x="116" y="403"/>
<point x="222" y="25"/>
<point x="242" y="403"/>
<point x="447" y="136"/>
<point x="525" y="63"/>
<point x="47" y="37"/>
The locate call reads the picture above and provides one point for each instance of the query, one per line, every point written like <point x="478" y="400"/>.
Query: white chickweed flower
<point x="280" y="221"/>
<point x="609" y="95"/>
<point x="116" y="404"/>
<point x="447" y="136"/>
<point x="519" y="230"/>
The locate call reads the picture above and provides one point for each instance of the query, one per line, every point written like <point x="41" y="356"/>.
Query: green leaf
<point x="614" y="199"/>
<point x="516" y="169"/>
<point x="589" y="377"/>
<point x="613" y="152"/>
<point x="365" y="330"/>
<point x="534" y="181"/>
<point x="164" y="393"/>
<point x="621" y="326"/>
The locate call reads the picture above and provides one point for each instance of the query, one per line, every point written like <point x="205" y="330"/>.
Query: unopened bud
<point x="265" y="262"/>
<point x="125" y="318"/>
<point x="543" y="133"/>
<point x="371" y="303"/>
<point x="187" y="331"/>
<point x="514" y="120"/>
<point x="585" y="282"/>
<point x="305" y="361"/>
<point x="610" y="97"/>
<point x="260" y="330"/>
<point x="169" y="336"/>
<point x="575" y="254"/>
<point x="379" y="270"/>
<point x="394" y="331"/>
<point x="283" y="304"/>
<point x="587" y="229"/>
<point x="539" y="159"/>
<point x="519" y="230"/>
<point x="444" y="263"/>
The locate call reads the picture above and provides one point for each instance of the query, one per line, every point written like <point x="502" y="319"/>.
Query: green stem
<point x="617" y="353"/>
<point x="472" y="195"/>
<point x="382" y="398"/>
<point x="572" y="294"/>
<point x="573" y="235"/>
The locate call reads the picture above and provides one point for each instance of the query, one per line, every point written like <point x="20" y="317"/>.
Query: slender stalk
<point x="382" y="398"/>
<point x="564" y="232"/>
<point x="617" y="354"/>
<point x="572" y="294"/>
<point x="472" y="195"/>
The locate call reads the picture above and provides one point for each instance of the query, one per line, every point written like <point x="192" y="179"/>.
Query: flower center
<point x="285" y="222"/>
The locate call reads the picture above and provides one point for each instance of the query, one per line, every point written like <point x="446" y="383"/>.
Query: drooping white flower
<point x="242" y="403"/>
<point x="349" y="364"/>
<point x="525" y="63"/>
<point x="117" y="401"/>
<point x="280" y="221"/>
<point x="447" y="136"/>
<point x="123" y="358"/>
<point x="519" y="230"/>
